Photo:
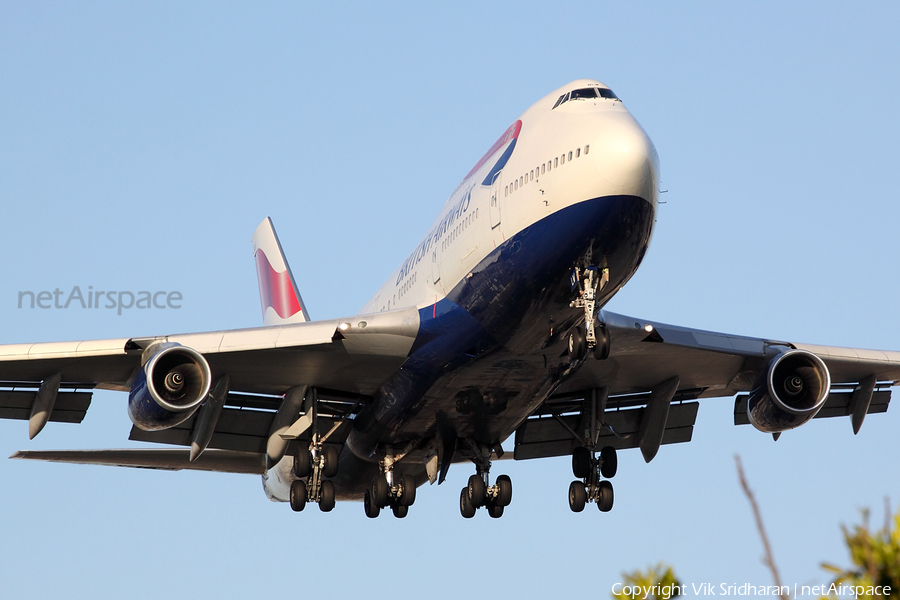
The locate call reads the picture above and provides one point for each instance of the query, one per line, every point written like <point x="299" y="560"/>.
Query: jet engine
<point x="789" y="392"/>
<point x="169" y="388"/>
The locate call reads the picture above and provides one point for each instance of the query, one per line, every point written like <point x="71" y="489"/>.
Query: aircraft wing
<point x="649" y="384"/>
<point x="347" y="359"/>
<point x="718" y="364"/>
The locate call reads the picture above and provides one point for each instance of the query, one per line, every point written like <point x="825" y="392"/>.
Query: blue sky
<point x="141" y="144"/>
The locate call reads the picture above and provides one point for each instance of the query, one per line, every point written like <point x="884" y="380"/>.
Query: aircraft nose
<point x="625" y="158"/>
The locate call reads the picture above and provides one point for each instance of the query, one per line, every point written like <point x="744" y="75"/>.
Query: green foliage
<point x="875" y="556"/>
<point x="659" y="581"/>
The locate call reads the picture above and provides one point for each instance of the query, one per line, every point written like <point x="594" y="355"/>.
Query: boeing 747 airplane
<point x="492" y="328"/>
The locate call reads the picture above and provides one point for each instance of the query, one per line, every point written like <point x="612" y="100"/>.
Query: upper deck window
<point x="586" y="94"/>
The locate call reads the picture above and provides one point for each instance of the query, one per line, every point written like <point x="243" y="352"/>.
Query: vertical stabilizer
<point x="281" y="301"/>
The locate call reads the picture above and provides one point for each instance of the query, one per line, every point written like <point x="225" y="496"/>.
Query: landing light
<point x="648" y="328"/>
<point x="344" y="326"/>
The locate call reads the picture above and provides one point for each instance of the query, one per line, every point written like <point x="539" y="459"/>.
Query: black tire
<point x="330" y="460"/>
<point x="298" y="495"/>
<point x="380" y="491"/>
<point x="495" y="510"/>
<point x="504" y="491"/>
<point x="326" y="501"/>
<point x="609" y="462"/>
<point x="400" y="510"/>
<point x="601" y="350"/>
<point x="407" y="490"/>
<point x="581" y="462"/>
<point x="476" y="490"/>
<point x="372" y="509"/>
<point x="577" y="496"/>
<point x="576" y="345"/>
<point x="465" y="507"/>
<point x="605" y="496"/>
<point x="302" y="463"/>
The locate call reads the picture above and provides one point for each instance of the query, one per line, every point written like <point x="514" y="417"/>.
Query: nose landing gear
<point x="595" y="337"/>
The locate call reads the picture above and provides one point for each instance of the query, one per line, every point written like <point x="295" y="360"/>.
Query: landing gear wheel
<point x="504" y="491"/>
<point x="372" y="509"/>
<point x="609" y="462"/>
<point x="605" y="496"/>
<point x="331" y="456"/>
<point x="400" y="510"/>
<point x="577" y="496"/>
<point x="379" y="491"/>
<point x="495" y="510"/>
<point x="302" y="463"/>
<point x="407" y="491"/>
<point x="576" y="344"/>
<point x="465" y="507"/>
<point x="326" y="501"/>
<point x="601" y="350"/>
<point x="476" y="490"/>
<point x="298" y="495"/>
<point x="581" y="462"/>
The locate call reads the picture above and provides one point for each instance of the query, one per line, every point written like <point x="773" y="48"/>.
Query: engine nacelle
<point x="790" y="392"/>
<point x="169" y="388"/>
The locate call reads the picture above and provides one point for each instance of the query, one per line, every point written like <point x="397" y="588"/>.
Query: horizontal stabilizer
<point x="220" y="461"/>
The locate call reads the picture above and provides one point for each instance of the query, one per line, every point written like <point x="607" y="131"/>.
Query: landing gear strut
<point x="480" y="493"/>
<point x="595" y="337"/>
<point x="316" y="463"/>
<point x="386" y="490"/>
<point x="590" y="469"/>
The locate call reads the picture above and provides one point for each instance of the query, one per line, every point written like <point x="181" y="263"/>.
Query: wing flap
<point x="237" y="430"/>
<point x="70" y="407"/>
<point x="240" y="430"/>
<point x="543" y="437"/>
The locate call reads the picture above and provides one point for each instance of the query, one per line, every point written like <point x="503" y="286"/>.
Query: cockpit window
<point x="586" y="94"/>
<point x="606" y="93"/>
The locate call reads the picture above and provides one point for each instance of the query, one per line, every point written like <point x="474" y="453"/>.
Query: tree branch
<point x="768" y="559"/>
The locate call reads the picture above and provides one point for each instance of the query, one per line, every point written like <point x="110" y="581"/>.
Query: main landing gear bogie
<point x="314" y="466"/>
<point x="384" y="493"/>
<point x="590" y="469"/>
<point x="386" y="490"/>
<point x="479" y="494"/>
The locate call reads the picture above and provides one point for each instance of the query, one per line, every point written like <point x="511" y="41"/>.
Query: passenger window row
<point x="409" y="283"/>
<point x="546" y="167"/>
<point x="456" y="231"/>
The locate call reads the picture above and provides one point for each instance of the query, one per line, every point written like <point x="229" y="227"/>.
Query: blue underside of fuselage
<point x="523" y="281"/>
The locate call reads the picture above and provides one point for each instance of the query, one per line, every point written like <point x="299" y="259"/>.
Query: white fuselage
<point x="579" y="150"/>
<point x="551" y="158"/>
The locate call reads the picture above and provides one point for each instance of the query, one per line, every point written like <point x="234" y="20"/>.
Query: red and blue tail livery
<point x="278" y="293"/>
